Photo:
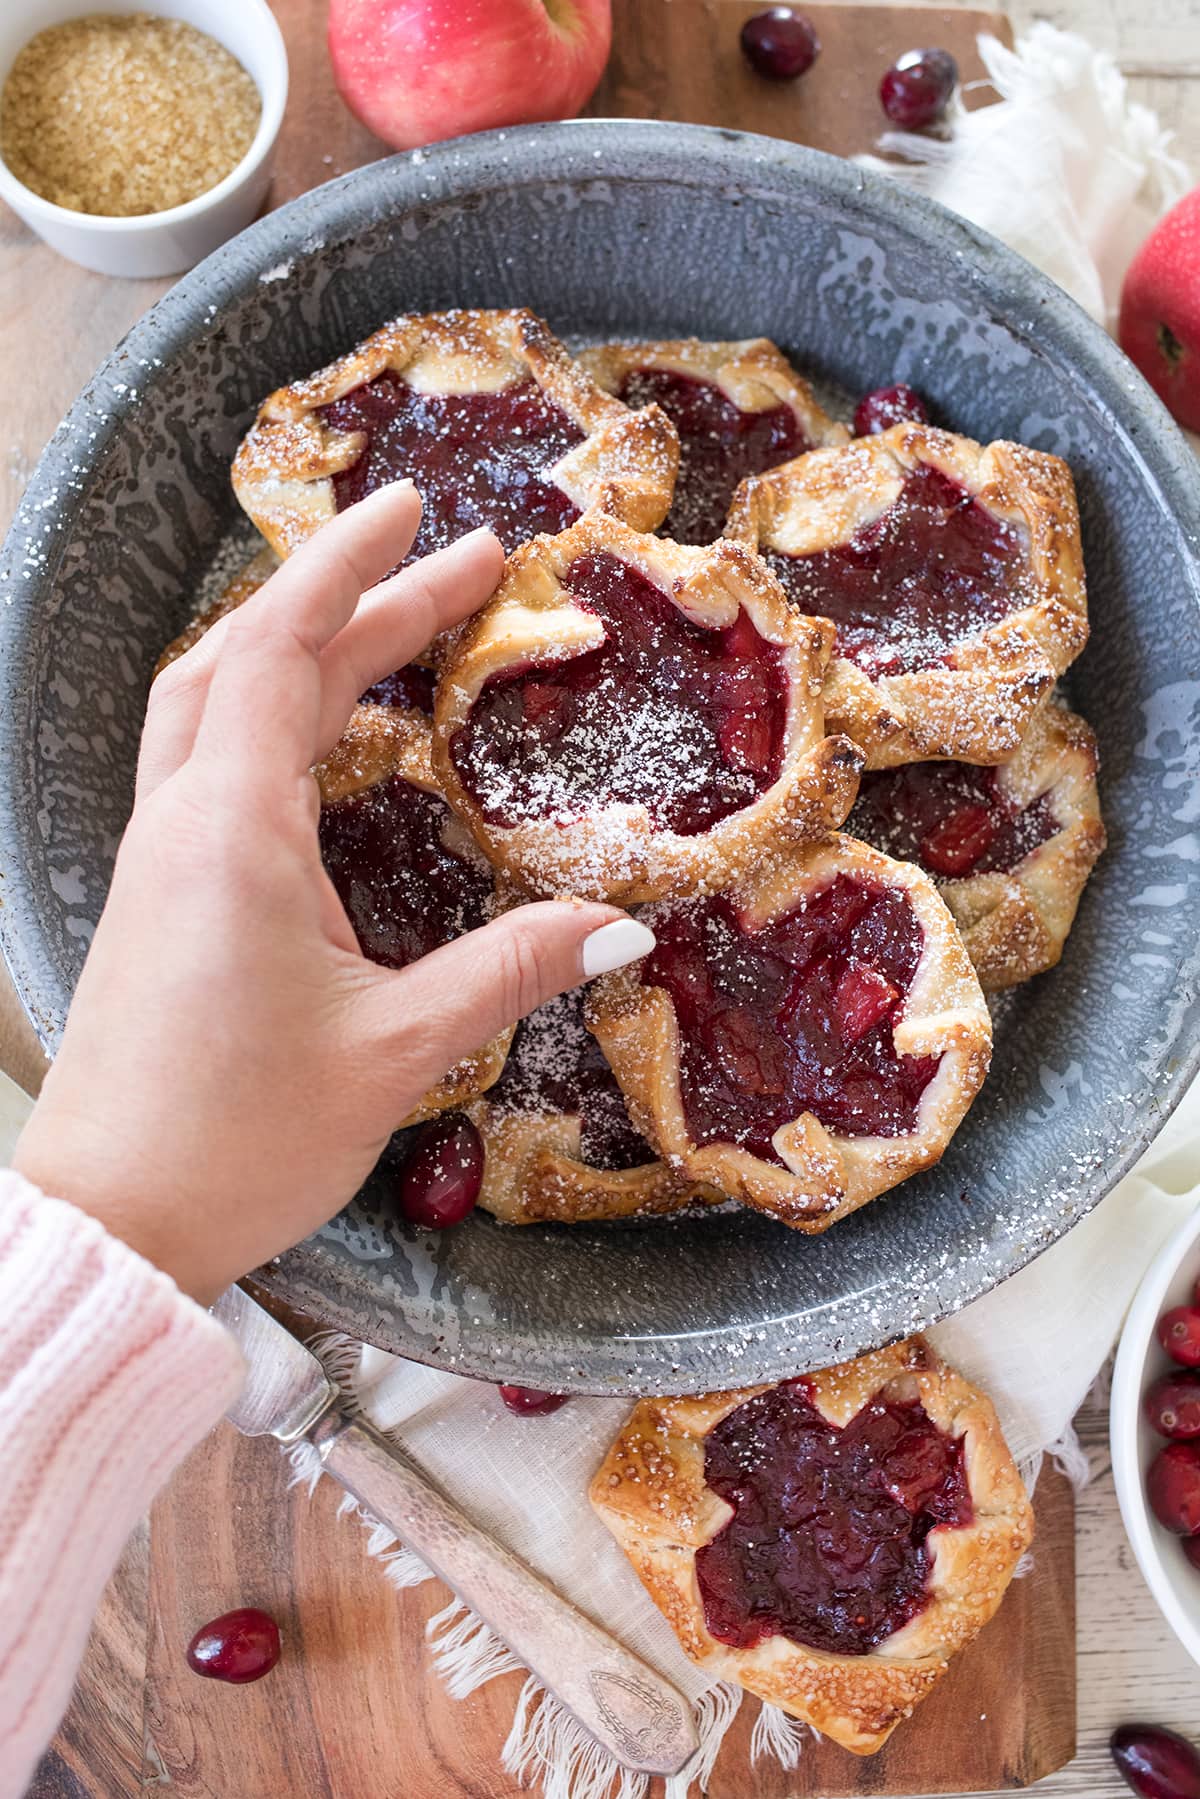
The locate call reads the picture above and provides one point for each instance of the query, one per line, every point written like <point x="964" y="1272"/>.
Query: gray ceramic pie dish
<point x="629" y="228"/>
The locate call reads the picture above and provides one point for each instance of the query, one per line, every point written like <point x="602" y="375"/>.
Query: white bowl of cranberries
<point x="1154" y="1426"/>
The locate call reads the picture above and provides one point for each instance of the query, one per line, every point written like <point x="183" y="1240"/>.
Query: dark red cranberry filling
<point x="411" y="686"/>
<point x="795" y="1017"/>
<point x="719" y="445"/>
<point x="556" y="1065"/>
<point x="951" y="818"/>
<point x="405" y="889"/>
<point x="936" y="567"/>
<point x="477" y="459"/>
<point x="829" y="1542"/>
<point x="685" y="721"/>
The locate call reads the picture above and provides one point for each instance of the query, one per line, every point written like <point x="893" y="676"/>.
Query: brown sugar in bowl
<point x="169" y="204"/>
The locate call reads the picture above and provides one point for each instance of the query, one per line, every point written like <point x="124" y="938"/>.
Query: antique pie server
<point x="631" y="1710"/>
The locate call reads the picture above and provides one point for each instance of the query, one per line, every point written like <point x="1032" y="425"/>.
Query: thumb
<point x="444" y="1007"/>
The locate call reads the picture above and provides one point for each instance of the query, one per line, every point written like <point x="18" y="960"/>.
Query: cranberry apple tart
<point x="630" y="717"/>
<point x="828" y="1542"/>
<point x="484" y="411"/>
<point x="805" y="1039"/>
<point x="739" y="408"/>
<point x="408" y="874"/>
<point x="559" y="1146"/>
<point x="1010" y="848"/>
<point x="954" y="577"/>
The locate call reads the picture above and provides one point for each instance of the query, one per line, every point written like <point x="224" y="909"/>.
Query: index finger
<point x="260" y="686"/>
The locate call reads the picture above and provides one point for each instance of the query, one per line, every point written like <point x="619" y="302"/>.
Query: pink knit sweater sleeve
<point x="108" y="1377"/>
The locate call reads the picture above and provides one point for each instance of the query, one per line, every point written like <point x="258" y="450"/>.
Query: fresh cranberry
<point x="1173" y="1488"/>
<point x="1179" y="1333"/>
<point x="1156" y="1763"/>
<point x="531" y="1401"/>
<point x="916" y="90"/>
<point x="884" y="407"/>
<point x="442" y="1175"/>
<point x="238" y="1646"/>
<point x="779" y="43"/>
<point x="1191" y="1549"/>
<point x="1172" y="1405"/>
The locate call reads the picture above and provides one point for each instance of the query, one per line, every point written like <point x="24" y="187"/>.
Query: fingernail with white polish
<point x="614" y="945"/>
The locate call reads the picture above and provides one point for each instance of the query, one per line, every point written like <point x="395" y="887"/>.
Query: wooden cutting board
<point x="353" y="1711"/>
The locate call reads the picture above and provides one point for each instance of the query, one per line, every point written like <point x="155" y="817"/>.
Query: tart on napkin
<point x="827" y="1542"/>
<point x="630" y="717"/>
<point x="952" y="572"/>
<point x="484" y="411"/>
<point x="804" y="1040"/>
<point x="739" y="408"/>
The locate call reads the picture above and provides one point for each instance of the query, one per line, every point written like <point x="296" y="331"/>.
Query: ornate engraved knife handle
<point x="638" y="1716"/>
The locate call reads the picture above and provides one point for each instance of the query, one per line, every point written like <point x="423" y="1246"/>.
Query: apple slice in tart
<point x="739" y="408"/>
<point x="952" y="573"/>
<point x="484" y="411"/>
<point x="1010" y="848"/>
<point x="827" y="1542"/>
<point x="804" y="1040"/>
<point x="630" y="717"/>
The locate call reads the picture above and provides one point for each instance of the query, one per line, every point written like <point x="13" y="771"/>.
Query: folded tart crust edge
<point x="826" y="1176"/>
<point x="752" y="372"/>
<point x="615" y="853"/>
<point x="533" y="1175"/>
<point x="283" y="471"/>
<point x="1015" y="925"/>
<point x="978" y="710"/>
<point x="651" y="1494"/>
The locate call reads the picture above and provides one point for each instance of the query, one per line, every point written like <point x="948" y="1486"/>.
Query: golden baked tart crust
<point x="367" y="785"/>
<point x="559" y="1147"/>
<point x="739" y="408"/>
<point x="630" y="717"/>
<point x="652" y="1493"/>
<point x="804" y="1041"/>
<point x="1010" y="848"/>
<point x="958" y="573"/>
<point x="312" y="435"/>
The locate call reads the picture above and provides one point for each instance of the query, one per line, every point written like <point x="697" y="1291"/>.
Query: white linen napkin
<point x="1035" y="1344"/>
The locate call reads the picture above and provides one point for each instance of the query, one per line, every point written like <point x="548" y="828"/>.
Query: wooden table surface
<point x="119" y="1737"/>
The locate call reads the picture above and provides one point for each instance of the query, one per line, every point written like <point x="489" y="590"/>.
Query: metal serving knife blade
<point x="639" y="1717"/>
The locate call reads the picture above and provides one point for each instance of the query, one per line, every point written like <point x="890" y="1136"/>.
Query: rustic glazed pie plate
<point x="613" y="229"/>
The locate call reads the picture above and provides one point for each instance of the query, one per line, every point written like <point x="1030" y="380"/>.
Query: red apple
<point x="1160" y="310"/>
<point x="419" y="70"/>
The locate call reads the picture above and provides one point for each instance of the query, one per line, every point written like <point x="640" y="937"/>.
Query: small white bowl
<point x="1169" y="1281"/>
<point x="159" y="243"/>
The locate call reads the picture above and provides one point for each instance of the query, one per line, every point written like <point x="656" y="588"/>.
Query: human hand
<point x="232" y="1067"/>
